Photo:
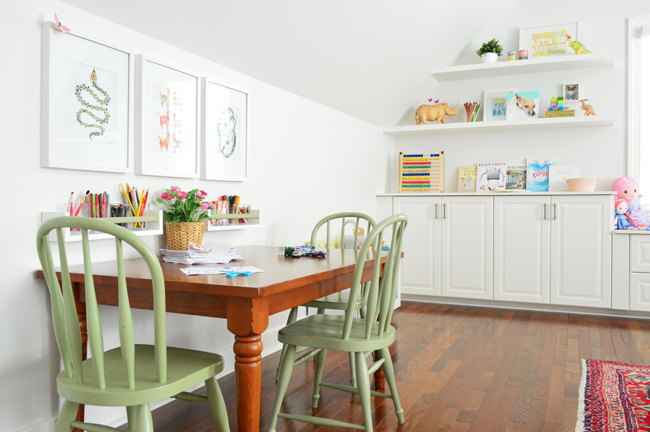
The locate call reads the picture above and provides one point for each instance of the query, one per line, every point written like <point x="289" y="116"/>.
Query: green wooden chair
<point x="338" y="301"/>
<point x="131" y="375"/>
<point x="360" y="336"/>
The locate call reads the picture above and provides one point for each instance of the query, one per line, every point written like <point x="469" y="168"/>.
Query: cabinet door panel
<point x="521" y="248"/>
<point x="640" y="253"/>
<point x="581" y="246"/>
<point x="467" y="247"/>
<point x="640" y="292"/>
<point x="420" y="273"/>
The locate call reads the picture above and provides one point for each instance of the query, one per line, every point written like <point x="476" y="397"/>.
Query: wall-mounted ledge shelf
<point x="525" y="194"/>
<point x="153" y="219"/>
<point x="253" y="217"/>
<point x="550" y="123"/>
<point x="520" y="67"/>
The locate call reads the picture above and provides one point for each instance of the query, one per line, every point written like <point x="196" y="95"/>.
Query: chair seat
<point x="337" y="301"/>
<point x="324" y="331"/>
<point x="185" y="368"/>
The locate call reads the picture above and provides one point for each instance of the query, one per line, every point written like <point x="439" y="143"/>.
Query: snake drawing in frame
<point x="101" y="101"/>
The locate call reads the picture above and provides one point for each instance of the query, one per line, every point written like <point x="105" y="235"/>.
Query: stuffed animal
<point x="627" y="188"/>
<point x="623" y="220"/>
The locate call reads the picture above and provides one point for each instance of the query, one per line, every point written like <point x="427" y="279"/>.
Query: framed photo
<point x="543" y="41"/>
<point x="224" y="149"/>
<point x="522" y="105"/>
<point x="494" y="105"/>
<point x="86" y="107"/>
<point x="571" y="93"/>
<point x="167" y="120"/>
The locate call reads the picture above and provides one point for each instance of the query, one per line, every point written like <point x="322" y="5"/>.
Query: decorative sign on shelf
<point x="422" y="172"/>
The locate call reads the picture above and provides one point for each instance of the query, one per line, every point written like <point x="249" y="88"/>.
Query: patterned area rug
<point x="613" y="397"/>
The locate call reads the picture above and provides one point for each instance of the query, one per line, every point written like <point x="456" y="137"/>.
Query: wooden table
<point x="246" y="302"/>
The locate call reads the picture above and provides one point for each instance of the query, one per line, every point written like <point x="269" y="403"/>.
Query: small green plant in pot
<point x="489" y="51"/>
<point x="183" y="220"/>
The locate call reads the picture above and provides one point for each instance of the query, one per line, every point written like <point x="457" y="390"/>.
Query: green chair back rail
<point x="349" y="218"/>
<point x="110" y="378"/>
<point x="358" y="336"/>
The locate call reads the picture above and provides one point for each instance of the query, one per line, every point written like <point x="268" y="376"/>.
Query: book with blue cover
<point x="537" y="174"/>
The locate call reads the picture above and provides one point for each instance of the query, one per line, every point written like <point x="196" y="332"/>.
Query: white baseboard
<point x="45" y="426"/>
<point x="527" y="306"/>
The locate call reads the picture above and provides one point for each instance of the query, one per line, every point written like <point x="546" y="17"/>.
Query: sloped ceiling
<point x="369" y="59"/>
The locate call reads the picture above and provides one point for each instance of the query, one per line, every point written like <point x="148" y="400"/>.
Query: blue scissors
<point x="234" y="274"/>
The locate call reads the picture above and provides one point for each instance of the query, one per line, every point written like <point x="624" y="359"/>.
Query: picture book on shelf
<point x="558" y="174"/>
<point x="491" y="177"/>
<point x="516" y="177"/>
<point x="537" y="174"/>
<point x="467" y="179"/>
<point x="522" y="105"/>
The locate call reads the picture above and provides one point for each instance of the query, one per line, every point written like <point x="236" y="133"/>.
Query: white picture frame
<point x="92" y="80"/>
<point x="526" y="34"/>
<point x="570" y="94"/>
<point x="488" y="108"/>
<point x="167" y="119"/>
<point x="224" y="155"/>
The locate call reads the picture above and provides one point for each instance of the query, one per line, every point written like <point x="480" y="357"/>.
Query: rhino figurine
<point x="435" y="113"/>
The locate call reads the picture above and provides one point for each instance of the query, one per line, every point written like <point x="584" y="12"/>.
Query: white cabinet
<point x="467" y="247"/>
<point x="581" y="230"/>
<point x="521" y="248"/>
<point x="420" y="273"/>
<point x="640" y="253"/>
<point x="640" y="292"/>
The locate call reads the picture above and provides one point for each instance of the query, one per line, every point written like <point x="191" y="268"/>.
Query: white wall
<point x="290" y="140"/>
<point x="601" y="151"/>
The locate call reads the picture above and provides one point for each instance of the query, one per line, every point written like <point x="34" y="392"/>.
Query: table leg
<point x="247" y="320"/>
<point x="83" y="327"/>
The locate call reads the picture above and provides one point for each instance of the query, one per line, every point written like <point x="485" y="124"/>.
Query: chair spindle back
<point x="64" y="309"/>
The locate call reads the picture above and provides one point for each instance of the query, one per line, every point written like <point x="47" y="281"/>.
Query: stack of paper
<point x="209" y="253"/>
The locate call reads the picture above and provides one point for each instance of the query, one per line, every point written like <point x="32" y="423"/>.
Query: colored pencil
<point x="70" y="203"/>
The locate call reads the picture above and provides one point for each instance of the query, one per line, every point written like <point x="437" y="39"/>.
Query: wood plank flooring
<point x="459" y="369"/>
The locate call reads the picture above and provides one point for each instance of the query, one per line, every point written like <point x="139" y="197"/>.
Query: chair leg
<point x="362" y="313"/>
<point x="67" y="415"/>
<point x="353" y="370"/>
<point x="217" y="404"/>
<point x="286" y="367"/>
<point x="320" y="363"/>
<point x="390" y="378"/>
<point x="143" y="419"/>
<point x="363" y="385"/>
<point x="293" y="316"/>
<point x="130" y="417"/>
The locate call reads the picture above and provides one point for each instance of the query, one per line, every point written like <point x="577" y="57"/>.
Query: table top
<point x="280" y="273"/>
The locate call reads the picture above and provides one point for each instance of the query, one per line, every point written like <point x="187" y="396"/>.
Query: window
<point x="639" y="104"/>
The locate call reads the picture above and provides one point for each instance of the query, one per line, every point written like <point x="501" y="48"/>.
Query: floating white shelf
<point x="520" y="67"/>
<point x="551" y="123"/>
<point x="254" y="221"/>
<point x="154" y="227"/>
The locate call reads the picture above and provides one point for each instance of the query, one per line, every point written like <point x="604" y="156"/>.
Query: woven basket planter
<point x="181" y="233"/>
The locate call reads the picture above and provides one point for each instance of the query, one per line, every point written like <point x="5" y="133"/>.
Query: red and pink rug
<point x="613" y="397"/>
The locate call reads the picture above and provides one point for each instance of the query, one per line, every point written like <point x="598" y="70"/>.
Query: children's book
<point x="537" y="174"/>
<point x="467" y="179"/>
<point x="516" y="177"/>
<point x="558" y="174"/>
<point x="491" y="177"/>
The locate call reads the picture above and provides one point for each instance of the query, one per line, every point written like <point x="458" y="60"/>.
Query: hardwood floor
<point x="458" y="368"/>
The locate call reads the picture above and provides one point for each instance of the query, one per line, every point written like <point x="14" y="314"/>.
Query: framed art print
<point x="571" y="92"/>
<point x="494" y="103"/>
<point x="224" y="150"/>
<point x="86" y="106"/>
<point x="549" y="40"/>
<point x="167" y="120"/>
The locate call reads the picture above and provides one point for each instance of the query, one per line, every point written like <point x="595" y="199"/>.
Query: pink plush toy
<point x="627" y="188"/>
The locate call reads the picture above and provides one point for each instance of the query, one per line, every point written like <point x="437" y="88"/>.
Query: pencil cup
<point x="120" y="210"/>
<point x="137" y="226"/>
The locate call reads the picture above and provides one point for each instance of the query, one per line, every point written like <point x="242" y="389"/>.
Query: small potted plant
<point x="489" y="51"/>
<point x="183" y="220"/>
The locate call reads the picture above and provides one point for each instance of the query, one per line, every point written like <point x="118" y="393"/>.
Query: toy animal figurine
<point x="435" y="113"/>
<point x="164" y="142"/>
<point x="627" y="188"/>
<point x="577" y="46"/>
<point x="589" y="110"/>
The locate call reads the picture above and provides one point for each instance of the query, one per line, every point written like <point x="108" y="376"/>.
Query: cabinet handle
<point x="555" y="211"/>
<point x="444" y="211"/>
<point x="544" y="211"/>
<point x="436" y="213"/>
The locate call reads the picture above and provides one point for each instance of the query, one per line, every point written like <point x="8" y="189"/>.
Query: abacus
<point x="422" y="172"/>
